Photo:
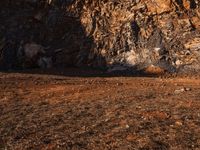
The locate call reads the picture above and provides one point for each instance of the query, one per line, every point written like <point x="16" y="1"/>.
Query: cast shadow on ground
<point x="85" y="72"/>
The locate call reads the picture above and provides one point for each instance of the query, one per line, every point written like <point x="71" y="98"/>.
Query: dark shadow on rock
<point x="58" y="32"/>
<point x="27" y="25"/>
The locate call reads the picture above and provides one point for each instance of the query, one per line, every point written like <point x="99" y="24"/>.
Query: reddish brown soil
<point x="62" y="112"/>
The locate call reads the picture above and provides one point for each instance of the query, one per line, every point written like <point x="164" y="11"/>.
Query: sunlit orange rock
<point x="159" y="6"/>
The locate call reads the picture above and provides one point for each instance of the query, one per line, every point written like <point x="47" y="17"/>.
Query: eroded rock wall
<point x="125" y="33"/>
<point x="145" y="32"/>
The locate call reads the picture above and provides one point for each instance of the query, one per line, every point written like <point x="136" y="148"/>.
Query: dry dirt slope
<point x="59" y="112"/>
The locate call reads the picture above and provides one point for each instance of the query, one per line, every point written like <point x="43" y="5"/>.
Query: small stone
<point x="178" y="123"/>
<point x="178" y="63"/>
<point x="188" y="89"/>
<point x="179" y="91"/>
<point x="131" y="137"/>
<point x="127" y="126"/>
<point x="154" y="70"/>
<point x="31" y="50"/>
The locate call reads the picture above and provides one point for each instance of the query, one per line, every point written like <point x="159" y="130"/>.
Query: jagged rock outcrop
<point x="125" y="33"/>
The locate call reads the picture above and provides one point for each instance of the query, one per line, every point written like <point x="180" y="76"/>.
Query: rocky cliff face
<point x="101" y="33"/>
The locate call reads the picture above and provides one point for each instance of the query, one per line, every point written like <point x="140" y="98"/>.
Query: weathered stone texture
<point x="128" y="33"/>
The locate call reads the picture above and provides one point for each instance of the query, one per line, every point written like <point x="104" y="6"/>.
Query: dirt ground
<point x="73" y="111"/>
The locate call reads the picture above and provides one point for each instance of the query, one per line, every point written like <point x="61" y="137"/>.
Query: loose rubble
<point x="179" y="91"/>
<point x="92" y="112"/>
